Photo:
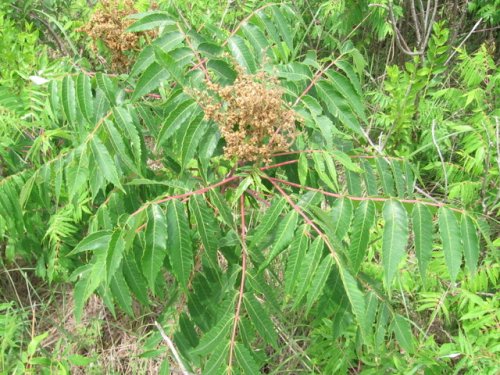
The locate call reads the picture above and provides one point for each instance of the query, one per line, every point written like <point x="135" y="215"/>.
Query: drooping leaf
<point x="308" y="269"/>
<point x="121" y="293"/>
<point x="260" y="319"/>
<point x="364" y="218"/>
<point x="155" y="248"/>
<point x="189" y="137"/>
<point x="105" y="162"/>
<point x="471" y="243"/>
<point x="178" y="117"/>
<point x="179" y="242"/>
<point x="206" y="226"/>
<point x="95" y="241"/>
<point x="245" y="360"/>
<point x="151" y="21"/>
<point x="319" y="281"/>
<point x="269" y="220"/>
<point x="283" y="236"/>
<point x="450" y="237"/>
<point x="84" y="96"/>
<point x="341" y="213"/>
<point x="422" y="228"/>
<point x="356" y="299"/>
<point x="403" y="333"/>
<point x="241" y="53"/>
<point x="298" y="250"/>
<point x="212" y="338"/>
<point x="68" y="98"/>
<point x="151" y="79"/>
<point x="338" y="106"/>
<point x="395" y="238"/>
<point x="114" y="253"/>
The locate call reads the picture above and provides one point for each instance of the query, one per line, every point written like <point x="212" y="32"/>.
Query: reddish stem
<point x="242" y="283"/>
<point x="185" y="195"/>
<point x="350" y="197"/>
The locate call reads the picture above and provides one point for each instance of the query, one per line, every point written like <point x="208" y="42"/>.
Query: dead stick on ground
<point x="171" y="346"/>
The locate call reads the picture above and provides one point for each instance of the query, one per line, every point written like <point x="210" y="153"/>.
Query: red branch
<point x="185" y="195"/>
<point x="352" y="198"/>
<point x="242" y="283"/>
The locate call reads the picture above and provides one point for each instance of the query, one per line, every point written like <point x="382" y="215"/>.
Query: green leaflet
<point x="77" y="177"/>
<point x="166" y="42"/>
<point x="283" y="237"/>
<point x="241" y="53"/>
<point x="422" y="229"/>
<point x="152" y="77"/>
<point x="386" y="176"/>
<point x="343" y="85"/>
<point x="309" y="267"/>
<point x="338" y="106"/>
<point x="89" y="281"/>
<point x="114" y="254"/>
<point x="269" y="220"/>
<point x="155" y="248"/>
<point x="341" y="213"/>
<point x="260" y="319"/>
<point x="403" y="333"/>
<point x="356" y="299"/>
<point x="369" y="178"/>
<point x="283" y="27"/>
<point x="206" y="226"/>
<point x="364" y="219"/>
<point x="395" y="238"/>
<point x="245" y="359"/>
<point x="170" y="65"/>
<point x="222" y="69"/>
<point x="450" y="237"/>
<point x="217" y="363"/>
<point x="353" y="183"/>
<point x="68" y="99"/>
<point x="319" y="280"/>
<point x="93" y="242"/>
<point x="128" y="128"/>
<point x="104" y="162"/>
<point x="135" y="280"/>
<point x="212" y="338"/>
<point x="298" y="249"/>
<point x="121" y="293"/>
<point x="151" y="21"/>
<point x="188" y="138"/>
<point x="179" y="242"/>
<point x="256" y="38"/>
<point x="107" y="87"/>
<point x="178" y="117"/>
<point x="84" y="96"/>
<point x="119" y="145"/>
<point x="470" y="242"/>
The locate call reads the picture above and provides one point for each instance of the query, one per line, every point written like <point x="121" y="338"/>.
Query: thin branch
<point x="232" y="343"/>
<point x="171" y="346"/>
<point x="463" y="41"/>
<point x="185" y="195"/>
<point x="416" y="22"/>
<point x="354" y="198"/>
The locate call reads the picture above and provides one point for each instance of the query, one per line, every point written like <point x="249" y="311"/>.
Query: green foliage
<point x="127" y="195"/>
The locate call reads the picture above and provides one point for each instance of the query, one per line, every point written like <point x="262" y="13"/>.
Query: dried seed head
<point x="251" y="116"/>
<point x="109" y="24"/>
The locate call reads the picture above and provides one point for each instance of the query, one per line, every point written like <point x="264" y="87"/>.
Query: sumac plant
<point x="229" y="181"/>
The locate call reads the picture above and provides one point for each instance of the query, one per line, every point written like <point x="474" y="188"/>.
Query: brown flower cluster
<point x="251" y="116"/>
<point x="109" y="24"/>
